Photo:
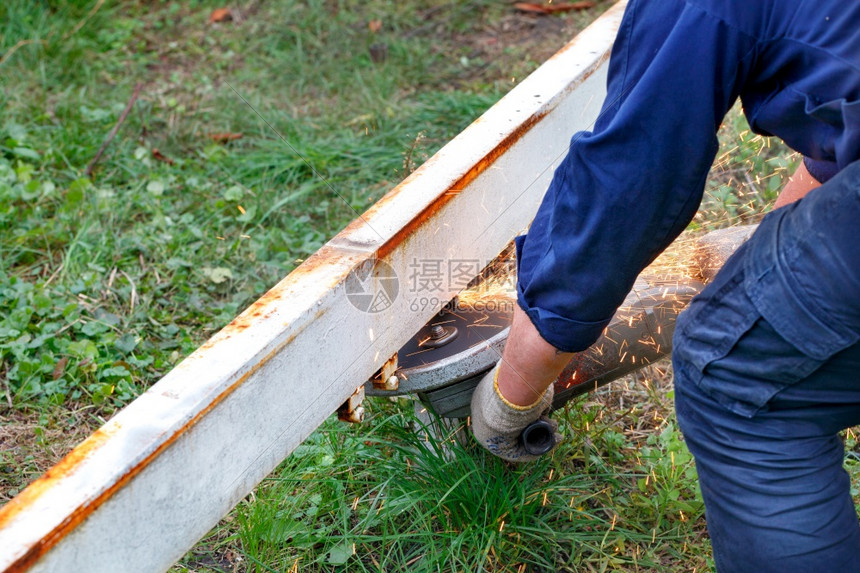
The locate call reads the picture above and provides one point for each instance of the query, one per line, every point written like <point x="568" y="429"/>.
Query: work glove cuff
<point x="497" y="423"/>
<point x="500" y="408"/>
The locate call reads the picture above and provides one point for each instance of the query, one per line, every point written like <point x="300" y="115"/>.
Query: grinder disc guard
<point x="458" y="364"/>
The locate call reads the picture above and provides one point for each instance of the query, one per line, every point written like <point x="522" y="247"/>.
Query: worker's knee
<point x="775" y="493"/>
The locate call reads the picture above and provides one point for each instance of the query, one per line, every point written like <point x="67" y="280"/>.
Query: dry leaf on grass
<point x="553" y="8"/>
<point x="156" y="154"/>
<point x="378" y="52"/>
<point x="221" y="15"/>
<point x="60" y="368"/>
<point x="224" y="137"/>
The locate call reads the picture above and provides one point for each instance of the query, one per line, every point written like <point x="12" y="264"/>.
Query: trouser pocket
<point x="727" y="349"/>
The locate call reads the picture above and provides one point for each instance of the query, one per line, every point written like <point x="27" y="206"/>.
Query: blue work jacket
<point x="628" y="188"/>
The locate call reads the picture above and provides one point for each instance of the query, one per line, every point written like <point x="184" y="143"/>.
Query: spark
<point x="420" y="351"/>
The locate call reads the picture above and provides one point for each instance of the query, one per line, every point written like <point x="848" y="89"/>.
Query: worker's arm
<point x="529" y="363"/>
<point x="519" y="389"/>
<point x="620" y="196"/>
<point x="626" y="189"/>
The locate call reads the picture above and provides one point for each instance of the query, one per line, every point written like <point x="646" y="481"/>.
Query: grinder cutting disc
<point x="455" y="330"/>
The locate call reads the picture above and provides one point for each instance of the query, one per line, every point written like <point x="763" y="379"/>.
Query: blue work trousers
<point x="767" y="374"/>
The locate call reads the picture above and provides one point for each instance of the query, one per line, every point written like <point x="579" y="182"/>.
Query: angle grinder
<point x="446" y="358"/>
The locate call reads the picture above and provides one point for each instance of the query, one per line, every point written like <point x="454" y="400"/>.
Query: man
<point x="766" y="360"/>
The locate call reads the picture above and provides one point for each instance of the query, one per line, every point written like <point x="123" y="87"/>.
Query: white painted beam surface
<point x="138" y="493"/>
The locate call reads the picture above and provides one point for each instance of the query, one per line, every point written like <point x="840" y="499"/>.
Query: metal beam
<point x="139" y="492"/>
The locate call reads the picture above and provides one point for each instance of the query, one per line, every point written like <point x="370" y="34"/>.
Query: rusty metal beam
<point x="139" y="492"/>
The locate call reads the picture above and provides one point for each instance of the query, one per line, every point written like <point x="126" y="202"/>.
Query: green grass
<point x="382" y="497"/>
<point x="108" y="280"/>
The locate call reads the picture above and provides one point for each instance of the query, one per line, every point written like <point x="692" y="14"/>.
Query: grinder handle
<point x="538" y="437"/>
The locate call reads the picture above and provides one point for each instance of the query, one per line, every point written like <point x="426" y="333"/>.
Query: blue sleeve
<point x="627" y="189"/>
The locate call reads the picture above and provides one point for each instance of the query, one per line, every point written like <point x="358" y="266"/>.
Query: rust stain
<point x="588" y="72"/>
<point x="322" y="258"/>
<point x="64" y="468"/>
<point x="454" y="190"/>
<point x="267" y="305"/>
<point x="67" y="465"/>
